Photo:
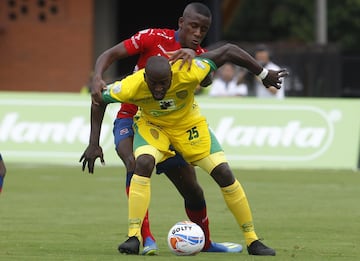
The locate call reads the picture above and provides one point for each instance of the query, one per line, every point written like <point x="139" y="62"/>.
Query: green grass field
<point x="61" y="213"/>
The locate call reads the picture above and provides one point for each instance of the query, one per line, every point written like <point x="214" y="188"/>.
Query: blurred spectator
<point x="263" y="56"/>
<point x="228" y="82"/>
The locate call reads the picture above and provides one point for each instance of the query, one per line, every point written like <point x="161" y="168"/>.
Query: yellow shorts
<point x="194" y="143"/>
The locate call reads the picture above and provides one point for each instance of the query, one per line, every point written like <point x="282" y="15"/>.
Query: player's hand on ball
<point x="275" y="78"/>
<point x="89" y="157"/>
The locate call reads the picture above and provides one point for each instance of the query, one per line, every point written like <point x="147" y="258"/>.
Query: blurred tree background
<point x="294" y="21"/>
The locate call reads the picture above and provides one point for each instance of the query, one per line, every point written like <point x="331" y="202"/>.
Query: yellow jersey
<point x="178" y="108"/>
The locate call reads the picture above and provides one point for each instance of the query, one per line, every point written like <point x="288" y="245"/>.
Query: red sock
<point x="145" y="228"/>
<point x="200" y="217"/>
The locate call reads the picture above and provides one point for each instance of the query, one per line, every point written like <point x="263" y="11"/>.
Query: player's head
<point x="194" y="25"/>
<point x="158" y="76"/>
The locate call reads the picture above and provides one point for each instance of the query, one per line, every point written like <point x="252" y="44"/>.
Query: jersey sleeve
<point x="108" y="95"/>
<point x="202" y="67"/>
<point x="137" y="43"/>
<point x="125" y="90"/>
<point x="212" y="65"/>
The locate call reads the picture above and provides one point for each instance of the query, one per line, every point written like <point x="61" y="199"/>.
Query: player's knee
<point x="223" y="175"/>
<point x="144" y="165"/>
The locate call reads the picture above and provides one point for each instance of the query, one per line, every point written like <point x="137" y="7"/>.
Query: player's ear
<point x="180" y="22"/>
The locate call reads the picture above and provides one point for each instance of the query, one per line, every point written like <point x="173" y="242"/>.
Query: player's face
<point x="158" y="85"/>
<point x="192" y="29"/>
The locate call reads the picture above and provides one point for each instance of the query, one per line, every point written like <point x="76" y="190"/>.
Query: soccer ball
<point x="186" y="238"/>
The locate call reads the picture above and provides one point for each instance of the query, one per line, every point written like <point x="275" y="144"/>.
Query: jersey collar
<point x="177" y="36"/>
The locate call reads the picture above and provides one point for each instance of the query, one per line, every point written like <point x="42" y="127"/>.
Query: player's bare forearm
<point x="103" y="62"/>
<point x="94" y="151"/>
<point x="233" y="54"/>
<point x="98" y="84"/>
<point x="96" y="116"/>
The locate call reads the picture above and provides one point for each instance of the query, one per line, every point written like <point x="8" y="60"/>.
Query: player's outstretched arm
<point x="103" y="62"/>
<point x="94" y="151"/>
<point x="234" y="54"/>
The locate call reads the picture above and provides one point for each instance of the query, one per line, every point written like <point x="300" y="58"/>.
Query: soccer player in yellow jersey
<point x="170" y="116"/>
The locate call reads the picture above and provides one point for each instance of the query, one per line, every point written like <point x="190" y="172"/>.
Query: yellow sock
<point x="236" y="201"/>
<point x="139" y="200"/>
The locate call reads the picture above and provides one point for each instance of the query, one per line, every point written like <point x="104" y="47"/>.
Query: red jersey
<point x="148" y="43"/>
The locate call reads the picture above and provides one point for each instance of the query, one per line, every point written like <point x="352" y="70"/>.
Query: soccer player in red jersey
<point x="182" y="43"/>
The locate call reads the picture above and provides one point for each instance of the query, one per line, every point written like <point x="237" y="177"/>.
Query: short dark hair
<point x="198" y="8"/>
